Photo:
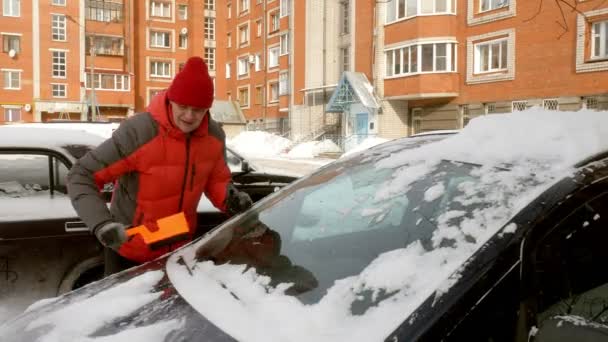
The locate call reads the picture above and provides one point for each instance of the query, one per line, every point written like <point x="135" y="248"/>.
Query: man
<point x="162" y="161"/>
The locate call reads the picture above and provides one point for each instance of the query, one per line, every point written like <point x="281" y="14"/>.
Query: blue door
<point x="361" y="128"/>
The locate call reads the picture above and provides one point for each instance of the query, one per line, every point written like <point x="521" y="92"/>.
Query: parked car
<point x="45" y="249"/>
<point x="496" y="233"/>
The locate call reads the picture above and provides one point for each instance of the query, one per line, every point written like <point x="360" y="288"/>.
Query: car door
<point x="42" y="241"/>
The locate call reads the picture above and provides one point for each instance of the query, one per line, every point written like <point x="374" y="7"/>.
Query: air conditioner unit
<point x="12" y="53"/>
<point x="184" y="30"/>
<point x="251" y="59"/>
<point x="27" y="107"/>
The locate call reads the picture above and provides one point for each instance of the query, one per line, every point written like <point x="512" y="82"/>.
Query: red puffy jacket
<point x="159" y="171"/>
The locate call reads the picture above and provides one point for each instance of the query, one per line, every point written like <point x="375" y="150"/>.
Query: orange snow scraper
<point x="167" y="230"/>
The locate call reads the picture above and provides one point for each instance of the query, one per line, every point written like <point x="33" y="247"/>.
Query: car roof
<point x="437" y="132"/>
<point x="23" y="136"/>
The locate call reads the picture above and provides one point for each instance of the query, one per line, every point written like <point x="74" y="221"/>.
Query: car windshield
<point x="372" y="235"/>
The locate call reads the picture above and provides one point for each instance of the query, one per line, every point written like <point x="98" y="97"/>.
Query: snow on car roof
<point x="47" y="137"/>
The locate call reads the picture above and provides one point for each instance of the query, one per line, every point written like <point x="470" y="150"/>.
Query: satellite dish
<point x="12" y="53"/>
<point x="184" y="30"/>
<point x="27" y="107"/>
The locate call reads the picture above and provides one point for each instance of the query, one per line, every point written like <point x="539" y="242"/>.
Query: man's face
<point x="187" y="118"/>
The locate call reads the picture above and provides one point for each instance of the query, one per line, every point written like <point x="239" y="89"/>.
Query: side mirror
<point x="245" y="166"/>
<point x="571" y="328"/>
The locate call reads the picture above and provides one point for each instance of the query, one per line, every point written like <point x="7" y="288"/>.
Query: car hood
<point x="139" y="304"/>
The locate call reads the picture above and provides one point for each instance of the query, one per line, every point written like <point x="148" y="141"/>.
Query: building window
<point x="401" y="9"/>
<point x="228" y="71"/>
<point x="108" y="82"/>
<point x="345" y="59"/>
<point x="421" y="58"/>
<point x="58" y="2"/>
<point x="229" y="10"/>
<point x="11" y="8"/>
<point x="244" y="35"/>
<point x="285" y="7"/>
<point x="488" y="5"/>
<point x="59" y="89"/>
<point x="258" y="62"/>
<point x="11" y="42"/>
<point x="243" y="66"/>
<point x="209" y="28"/>
<point x="160" y="69"/>
<point x="258" y="23"/>
<point x="210" y="5"/>
<point x="345" y="12"/>
<point x="160" y="9"/>
<point x="59" y="64"/>
<point x="259" y="95"/>
<point x="244" y="5"/>
<point x="183" y="41"/>
<point x="599" y="40"/>
<point x="58" y="26"/>
<point x="284" y="43"/>
<point x="105" y="45"/>
<point x="182" y="12"/>
<point x="273" y="57"/>
<point x="283" y="83"/>
<point x="102" y="10"/>
<point x="160" y="39"/>
<point x="274" y="92"/>
<point x="275" y="23"/>
<point x="210" y="58"/>
<point x="228" y="40"/>
<point x="244" y="97"/>
<point x="519" y="106"/>
<point x="491" y="56"/>
<point x="12" y="79"/>
<point x="12" y="114"/>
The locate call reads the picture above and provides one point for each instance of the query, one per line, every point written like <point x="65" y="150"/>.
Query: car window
<point x="569" y="265"/>
<point x="23" y="175"/>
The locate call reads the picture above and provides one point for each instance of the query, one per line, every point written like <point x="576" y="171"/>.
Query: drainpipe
<point x="265" y="59"/>
<point x="290" y="62"/>
<point x="36" y="57"/>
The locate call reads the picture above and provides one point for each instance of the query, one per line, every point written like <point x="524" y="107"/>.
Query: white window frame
<point x="160" y="9"/>
<point x="210" y="5"/>
<point x="239" y="90"/>
<point x="273" y="56"/>
<point x="284" y="44"/>
<point x="244" y="33"/>
<point x="183" y="41"/>
<point x="415" y="57"/>
<point x="9" y="112"/>
<point x="243" y="66"/>
<point x="345" y="58"/>
<point x="243" y="6"/>
<point x="59" y="59"/>
<point x="396" y="5"/>
<point x="285" y="8"/>
<point x="229" y="10"/>
<point x="228" y="70"/>
<point x="209" y="28"/>
<point x="602" y="38"/>
<point x="59" y="28"/>
<point x="163" y="66"/>
<point x="182" y="11"/>
<point x="502" y="43"/>
<point x="9" y="76"/>
<point x="11" y="8"/>
<point x="258" y="62"/>
<point x="345" y="17"/>
<point x="258" y="24"/>
<point x="275" y="24"/>
<point x="162" y="35"/>
<point x="57" y="89"/>
<point x="9" y="37"/>
<point x="58" y="2"/>
<point x="283" y="83"/>
<point x="492" y="5"/>
<point x="121" y="82"/>
<point x="271" y="87"/>
<point x="209" y="57"/>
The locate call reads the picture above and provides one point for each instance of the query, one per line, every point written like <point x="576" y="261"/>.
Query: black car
<point x="45" y="250"/>
<point x="492" y="234"/>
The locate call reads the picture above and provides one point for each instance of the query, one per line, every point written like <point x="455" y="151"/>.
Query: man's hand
<point x="237" y="201"/>
<point x="112" y="235"/>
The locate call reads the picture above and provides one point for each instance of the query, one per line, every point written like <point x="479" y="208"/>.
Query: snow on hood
<point x="538" y="147"/>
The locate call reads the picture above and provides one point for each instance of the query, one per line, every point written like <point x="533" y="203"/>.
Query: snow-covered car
<point x="45" y="249"/>
<point x="497" y="233"/>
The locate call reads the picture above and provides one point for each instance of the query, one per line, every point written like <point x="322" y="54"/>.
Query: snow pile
<point x="258" y="144"/>
<point x="312" y="149"/>
<point x="365" y="144"/>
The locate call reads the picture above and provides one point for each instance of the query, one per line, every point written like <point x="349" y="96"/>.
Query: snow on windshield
<point x="520" y="154"/>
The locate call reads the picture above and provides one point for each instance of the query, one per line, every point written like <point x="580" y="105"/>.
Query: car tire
<point x="83" y="273"/>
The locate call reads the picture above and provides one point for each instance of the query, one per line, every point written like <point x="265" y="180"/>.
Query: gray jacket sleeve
<point x="105" y="164"/>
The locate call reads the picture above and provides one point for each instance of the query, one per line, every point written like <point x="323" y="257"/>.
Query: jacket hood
<point x="160" y="110"/>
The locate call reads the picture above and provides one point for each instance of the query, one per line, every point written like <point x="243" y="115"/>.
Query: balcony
<point x="423" y="86"/>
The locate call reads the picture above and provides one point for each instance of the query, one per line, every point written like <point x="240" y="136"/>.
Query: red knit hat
<point x="192" y="86"/>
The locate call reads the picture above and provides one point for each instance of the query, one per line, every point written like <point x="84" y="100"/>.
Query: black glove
<point x="112" y="235"/>
<point x="237" y="201"/>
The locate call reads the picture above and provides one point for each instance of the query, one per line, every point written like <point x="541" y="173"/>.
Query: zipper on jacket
<point x="181" y="197"/>
<point x="192" y="176"/>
